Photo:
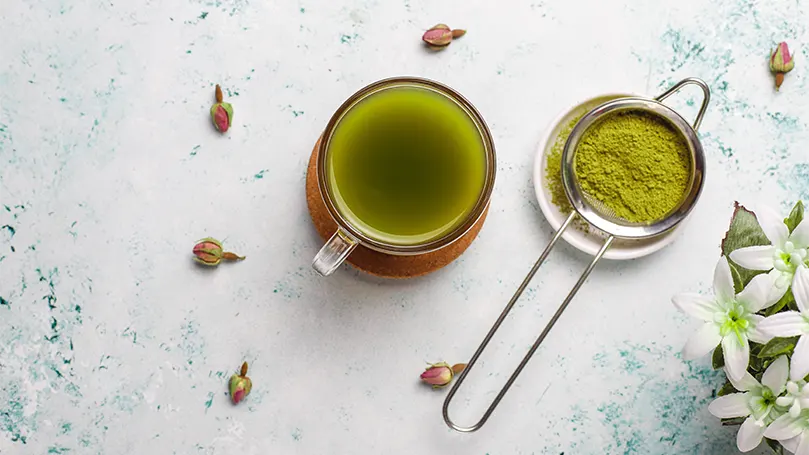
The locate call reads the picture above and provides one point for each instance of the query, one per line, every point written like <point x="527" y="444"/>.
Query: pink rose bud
<point x="208" y="251"/>
<point x="440" y="35"/>
<point x="440" y="374"/>
<point x="781" y="62"/>
<point x="240" y="385"/>
<point x="221" y="112"/>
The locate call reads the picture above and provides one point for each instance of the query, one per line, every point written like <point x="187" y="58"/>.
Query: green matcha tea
<point x="406" y="165"/>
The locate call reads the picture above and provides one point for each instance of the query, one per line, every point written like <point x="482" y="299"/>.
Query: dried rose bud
<point x="440" y="374"/>
<point x="440" y="35"/>
<point x="240" y="385"/>
<point x="209" y="251"/>
<point x="781" y="62"/>
<point x="221" y="112"/>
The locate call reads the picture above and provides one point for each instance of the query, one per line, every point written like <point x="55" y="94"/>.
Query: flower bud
<point x="240" y="385"/>
<point x="440" y="35"/>
<point x="781" y="62"/>
<point x="208" y="251"/>
<point x="440" y="374"/>
<point x="221" y="112"/>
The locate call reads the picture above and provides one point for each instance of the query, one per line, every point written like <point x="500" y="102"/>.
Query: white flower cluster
<point x="776" y="406"/>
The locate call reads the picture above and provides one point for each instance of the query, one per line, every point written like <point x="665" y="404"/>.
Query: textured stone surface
<point x="113" y="342"/>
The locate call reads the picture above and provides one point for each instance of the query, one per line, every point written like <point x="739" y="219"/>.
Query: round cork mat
<point x="374" y="262"/>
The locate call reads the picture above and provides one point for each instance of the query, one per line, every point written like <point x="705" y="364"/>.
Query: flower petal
<point x="777" y="290"/>
<point x="723" y="281"/>
<point x="754" y="295"/>
<point x="729" y="406"/>
<point x="754" y="257"/>
<point x="803" y="445"/>
<point x="786" y="324"/>
<point x="800" y="235"/>
<point x="800" y="359"/>
<point x="773" y="225"/>
<point x="696" y="305"/>
<point x="754" y="333"/>
<point x="746" y="383"/>
<point x="750" y="434"/>
<point x="784" y="427"/>
<point x="791" y="444"/>
<point x="775" y="377"/>
<point x="800" y="288"/>
<point x="702" y="342"/>
<point x="737" y="355"/>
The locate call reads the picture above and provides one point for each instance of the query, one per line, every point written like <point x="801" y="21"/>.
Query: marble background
<point x="113" y="342"/>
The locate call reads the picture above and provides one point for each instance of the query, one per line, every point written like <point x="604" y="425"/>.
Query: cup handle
<point x="334" y="252"/>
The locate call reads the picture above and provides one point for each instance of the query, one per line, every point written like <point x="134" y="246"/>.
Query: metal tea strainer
<point x="600" y="216"/>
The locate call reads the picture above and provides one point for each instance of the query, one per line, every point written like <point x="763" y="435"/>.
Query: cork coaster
<point x="374" y="262"/>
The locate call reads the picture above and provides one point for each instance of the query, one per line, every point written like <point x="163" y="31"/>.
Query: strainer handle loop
<point x="706" y="96"/>
<point x="539" y="339"/>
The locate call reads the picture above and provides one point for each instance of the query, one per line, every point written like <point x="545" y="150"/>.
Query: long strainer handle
<point x="539" y="339"/>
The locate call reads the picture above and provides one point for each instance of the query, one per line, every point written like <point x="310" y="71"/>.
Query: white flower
<point x="791" y="432"/>
<point x="782" y="257"/>
<point x="794" y="323"/>
<point x="729" y="319"/>
<point x="797" y="397"/>
<point x="756" y="401"/>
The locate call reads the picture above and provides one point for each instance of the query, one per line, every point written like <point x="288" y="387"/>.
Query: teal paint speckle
<point x="649" y="413"/>
<point x="12" y="414"/>
<point x="297" y="434"/>
<point x="787" y="123"/>
<point x="4" y="302"/>
<point x="797" y="181"/>
<point x="684" y="49"/>
<point x="260" y="174"/>
<point x="11" y="231"/>
<point x="188" y="51"/>
<point x="630" y="363"/>
<point x="209" y="402"/>
<point x="195" y="150"/>
<point x="303" y="10"/>
<point x="66" y="428"/>
<point x="58" y="450"/>
<point x="51" y="296"/>
<point x="348" y="39"/>
<point x="203" y="15"/>
<point x="297" y="113"/>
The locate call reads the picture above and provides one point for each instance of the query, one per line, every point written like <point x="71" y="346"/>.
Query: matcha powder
<point x="635" y="163"/>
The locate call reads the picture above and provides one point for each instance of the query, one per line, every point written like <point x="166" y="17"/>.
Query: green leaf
<point x="756" y="365"/>
<point x="738" y="283"/>
<point x="776" y="446"/>
<point x="795" y="216"/>
<point x="733" y="421"/>
<point x="792" y="304"/>
<point x="787" y="299"/>
<point x="718" y="359"/>
<point x="726" y="389"/>
<point x="743" y="231"/>
<point x="778" y="346"/>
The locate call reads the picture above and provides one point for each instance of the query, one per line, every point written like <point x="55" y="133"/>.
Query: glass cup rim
<point x="419" y="248"/>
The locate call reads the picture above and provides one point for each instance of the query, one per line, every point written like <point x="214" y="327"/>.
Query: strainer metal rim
<point x="634" y="230"/>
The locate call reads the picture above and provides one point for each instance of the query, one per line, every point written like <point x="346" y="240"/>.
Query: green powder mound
<point x="553" y="174"/>
<point x="553" y="168"/>
<point x="635" y="163"/>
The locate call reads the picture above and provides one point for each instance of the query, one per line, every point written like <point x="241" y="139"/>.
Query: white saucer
<point x="588" y="242"/>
